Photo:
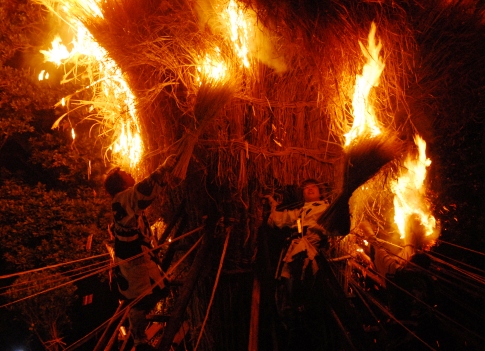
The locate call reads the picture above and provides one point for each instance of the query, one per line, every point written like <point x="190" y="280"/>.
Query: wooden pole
<point x="254" y="320"/>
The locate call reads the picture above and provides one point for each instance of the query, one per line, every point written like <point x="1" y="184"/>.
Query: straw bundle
<point x="367" y="157"/>
<point x="363" y="160"/>
<point x="211" y="98"/>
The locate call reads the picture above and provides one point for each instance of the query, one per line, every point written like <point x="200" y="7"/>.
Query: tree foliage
<point x="20" y="97"/>
<point x="50" y="184"/>
<point x="43" y="305"/>
<point x="41" y="228"/>
<point x="52" y="210"/>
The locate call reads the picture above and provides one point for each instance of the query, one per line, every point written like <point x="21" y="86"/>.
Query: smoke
<point x="266" y="52"/>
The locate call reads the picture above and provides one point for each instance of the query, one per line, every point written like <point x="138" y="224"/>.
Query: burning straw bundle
<point x="211" y="98"/>
<point x="363" y="160"/>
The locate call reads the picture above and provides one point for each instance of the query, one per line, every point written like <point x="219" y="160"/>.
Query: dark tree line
<point x="52" y="209"/>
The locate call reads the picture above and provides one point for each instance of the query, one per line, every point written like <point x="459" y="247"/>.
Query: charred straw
<point x="364" y="159"/>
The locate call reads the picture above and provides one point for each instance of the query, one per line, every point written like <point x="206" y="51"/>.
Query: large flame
<point x="248" y="38"/>
<point x="240" y="25"/>
<point x="113" y="97"/>
<point x="365" y="120"/>
<point x="409" y="192"/>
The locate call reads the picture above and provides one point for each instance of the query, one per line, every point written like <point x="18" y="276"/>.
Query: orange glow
<point x="240" y="25"/>
<point x="212" y="67"/>
<point x="89" y="7"/>
<point x="248" y="38"/>
<point x="409" y="192"/>
<point x="43" y="75"/>
<point x="128" y="143"/>
<point x="58" y="53"/>
<point x="365" y="120"/>
<point x="112" y="101"/>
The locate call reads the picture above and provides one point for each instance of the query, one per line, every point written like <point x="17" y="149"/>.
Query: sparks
<point x="43" y="75"/>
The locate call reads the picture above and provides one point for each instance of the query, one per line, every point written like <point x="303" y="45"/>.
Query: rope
<point x="461" y="247"/>
<point x="24" y="285"/>
<point x="389" y="314"/>
<point x="431" y="308"/>
<point x="52" y="288"/>
<point x="128" y="306"/>
<point x="51" y="267"/>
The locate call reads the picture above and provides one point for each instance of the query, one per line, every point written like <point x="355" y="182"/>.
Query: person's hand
<point x="368" y="232"/>
<point x="362" y="256"/>
<point x="169" y="163"/>
<point x="272" y="202"/>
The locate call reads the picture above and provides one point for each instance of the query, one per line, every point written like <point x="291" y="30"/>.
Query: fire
<point x="112" y="96"/>
<point x="239" y="30"/>
<point x="365" y="120"/>
<point x="129" y="142"/>
<point x="238" y="24"/>
<point x="212" y="67"/>
<point x="43" y="75"/>
<point x="409" y="192"/>
<point x="85" y="46"/>
<point x="57" y="53"/>
<point x="85" y="6"/>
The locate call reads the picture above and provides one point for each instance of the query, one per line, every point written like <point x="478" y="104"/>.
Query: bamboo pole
<point x="113" y="337"/>
<point x="113" y="319"/>
<point x="176" y="321"/>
